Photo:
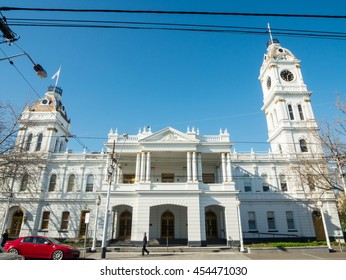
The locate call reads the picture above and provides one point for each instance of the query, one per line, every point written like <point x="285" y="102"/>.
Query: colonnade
<point x="193" y="166"/>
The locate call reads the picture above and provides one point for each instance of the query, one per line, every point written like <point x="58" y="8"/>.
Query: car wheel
<point x="13" y="251"/>
<point x="58" y="255"/>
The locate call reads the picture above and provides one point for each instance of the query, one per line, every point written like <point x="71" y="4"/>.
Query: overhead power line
<point x="172" y="12"/>
<point x="164" y="26"/>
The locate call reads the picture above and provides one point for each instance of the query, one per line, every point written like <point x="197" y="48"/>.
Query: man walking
<point x="4" y="238"/>
<point x="145" y="242"/>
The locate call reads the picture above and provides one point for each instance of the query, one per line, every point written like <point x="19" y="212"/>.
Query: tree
<point x="323" y="171"/>
<point x="16" y="163"/>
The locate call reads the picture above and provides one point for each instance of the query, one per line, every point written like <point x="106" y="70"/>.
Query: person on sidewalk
<point x="4" y="238"/>
<point x="145" y="242"/>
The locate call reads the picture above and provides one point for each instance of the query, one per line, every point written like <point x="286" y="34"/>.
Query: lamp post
<point x="237" y="203"/>
<point x="113" y="166"/>
<point x="98" y="202"/>
<point x="320" y="206"/>
<point x="37" y="67"/>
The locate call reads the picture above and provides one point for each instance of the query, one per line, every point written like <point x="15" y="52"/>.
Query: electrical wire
<point x="140" y="25"/>
<point x="203" y="13"/>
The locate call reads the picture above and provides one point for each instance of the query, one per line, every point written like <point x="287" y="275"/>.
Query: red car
<point x="41" y="247"/>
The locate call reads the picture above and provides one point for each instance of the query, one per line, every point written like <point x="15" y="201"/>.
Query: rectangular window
<point x="290" y="220"/>
<point x="129" y="178"/>
<point x="300" y="110"/>
<point x="167" y="177"/>
<point x="252" y="221"/>
<point x="247" y="188"/>
<point x="45" y="220"/>
<point x="290" y="112"/>
<point x="65" y="218"/>
<point x="208" y="178"/>
<point x="271" y="221"/>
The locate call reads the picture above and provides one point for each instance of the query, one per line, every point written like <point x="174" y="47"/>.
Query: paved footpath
<point x="200" y="254"/>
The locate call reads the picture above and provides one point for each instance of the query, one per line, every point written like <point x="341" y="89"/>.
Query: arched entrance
<point x="16" y="223"/>
<point x="318" y="225"/>
<point x="211" y="225"/>
<point x="167" y="225"/>
<point x="125" y="225"/>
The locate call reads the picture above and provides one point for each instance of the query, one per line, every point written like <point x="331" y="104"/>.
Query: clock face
<point x="287" y="75"/>
<point x="269" y="83"/>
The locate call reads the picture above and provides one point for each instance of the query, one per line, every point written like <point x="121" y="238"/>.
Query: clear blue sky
<point x="127" y="79"/>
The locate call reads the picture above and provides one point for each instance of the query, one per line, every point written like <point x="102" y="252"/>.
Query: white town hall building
<point x="179" y="187"/>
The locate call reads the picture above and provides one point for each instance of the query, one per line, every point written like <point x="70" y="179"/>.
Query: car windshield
<point x="54" y="241"/>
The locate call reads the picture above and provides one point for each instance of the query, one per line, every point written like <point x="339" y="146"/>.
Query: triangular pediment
<point x="169" y="135"/>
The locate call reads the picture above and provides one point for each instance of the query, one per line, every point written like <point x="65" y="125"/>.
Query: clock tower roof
<point x="51" y="102"/>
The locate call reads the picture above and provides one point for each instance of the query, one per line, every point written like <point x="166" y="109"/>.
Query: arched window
<point x="39" y="142"/>
<point x="24" y="183"/>
<point x="272" y="120"/>
<point x="247" y="183"/>
<point x="265" y="184"/>
<point x="290" y="112"/>
<point x="71" y="183"/>
<point x="303" y="146"/>
<point x="300" y="110"/>
<point x="276" y="117"/>
<point x="28" y="142"/>
<point x="89" y="183"/>
<point x="52" y="183"/>
<point x="283" y="183"/>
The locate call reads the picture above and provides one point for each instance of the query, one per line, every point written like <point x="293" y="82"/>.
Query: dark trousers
<point x="144" y="249"/>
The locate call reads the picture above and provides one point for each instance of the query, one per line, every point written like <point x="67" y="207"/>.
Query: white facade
<point x="179" y="187"/>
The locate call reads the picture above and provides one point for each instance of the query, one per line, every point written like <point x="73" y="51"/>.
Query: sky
<point x="127" y="79"/>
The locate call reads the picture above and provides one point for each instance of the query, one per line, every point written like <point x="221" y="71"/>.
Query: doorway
<point x="16" y="223"/>
<point x="125" y="225"/>
<point x="167" y="225"/>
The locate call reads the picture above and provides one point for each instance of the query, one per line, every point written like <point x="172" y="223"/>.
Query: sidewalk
<point x="209" y="253"/>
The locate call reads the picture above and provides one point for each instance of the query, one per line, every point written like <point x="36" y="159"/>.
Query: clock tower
<point x="44" y="126"/>
<point x="292" y="127"/>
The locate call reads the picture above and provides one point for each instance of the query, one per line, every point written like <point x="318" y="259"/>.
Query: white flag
<point x="57" y="73"/>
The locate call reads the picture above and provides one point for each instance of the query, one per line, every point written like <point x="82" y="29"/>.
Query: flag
<point x="57" y="73"/>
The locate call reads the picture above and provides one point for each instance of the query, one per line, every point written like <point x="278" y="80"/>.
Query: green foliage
<point x="288" y="244"/>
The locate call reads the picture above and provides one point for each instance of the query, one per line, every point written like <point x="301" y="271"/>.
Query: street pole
<point x="105" y="225"/>
<point x="240" y="227"/>
<point x="98" y="202"/>
<point x="113" y="166"/>
<point x="320" y="206"/>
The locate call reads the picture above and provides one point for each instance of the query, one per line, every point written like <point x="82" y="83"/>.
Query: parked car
<point x="41" y="247"/>
<point x="7" y="256"/>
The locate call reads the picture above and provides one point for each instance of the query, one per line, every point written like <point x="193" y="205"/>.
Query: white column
<point x="142" y="176"/>
<point x="138" y="164"/>
<point x="229" y="168"/>
<point x="218" y="174"/>
<point x="194" y="167"/>
<point x="188" y="179"/>
<point x="199" y="167"/>
<point x="148" y="167"/>
<point x="223" y="161"/>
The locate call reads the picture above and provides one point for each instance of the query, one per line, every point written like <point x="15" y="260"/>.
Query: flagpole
<point x="270" y="34"/>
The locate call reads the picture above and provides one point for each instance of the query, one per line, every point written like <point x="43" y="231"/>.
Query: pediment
<point x="169" y="135"/>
